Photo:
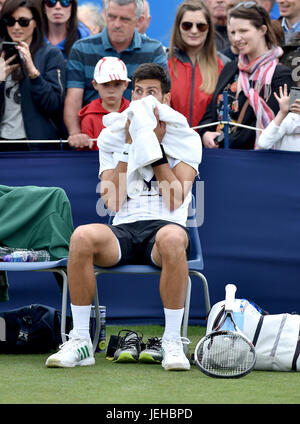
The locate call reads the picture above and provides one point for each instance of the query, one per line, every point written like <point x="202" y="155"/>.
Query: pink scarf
<point x="260" y="73"/>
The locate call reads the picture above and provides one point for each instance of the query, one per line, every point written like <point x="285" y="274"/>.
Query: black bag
<point x="30" y="329"/>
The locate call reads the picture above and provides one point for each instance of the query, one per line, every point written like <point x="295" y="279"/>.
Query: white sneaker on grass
<point x="76" y="351"/>
<point x="173" y="355"/>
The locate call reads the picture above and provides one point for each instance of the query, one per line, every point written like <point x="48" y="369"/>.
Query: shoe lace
<point x="175" y="345"/>
<point x="70" y="344"/>
<point x="131" y="339"/>
<point x="154" y="343"/>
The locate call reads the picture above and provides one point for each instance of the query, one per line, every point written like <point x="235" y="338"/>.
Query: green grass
<point x="24" y="379"/>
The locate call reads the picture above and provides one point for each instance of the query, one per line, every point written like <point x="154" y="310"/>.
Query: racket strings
<point x="227" y="354"/>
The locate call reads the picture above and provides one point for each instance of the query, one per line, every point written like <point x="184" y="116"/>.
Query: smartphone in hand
<point x="294" y="95"/>
<point x="10" y="50"/>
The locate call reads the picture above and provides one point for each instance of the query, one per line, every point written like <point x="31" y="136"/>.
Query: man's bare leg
<point x="90" y="244"/>
<point x="169" y="251"/>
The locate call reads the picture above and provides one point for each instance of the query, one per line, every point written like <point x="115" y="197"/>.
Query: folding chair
<point x="195" y="265"/>
<point x="59" y="266"/>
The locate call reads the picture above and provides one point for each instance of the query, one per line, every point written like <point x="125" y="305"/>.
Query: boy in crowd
<point x="110" y="80"/>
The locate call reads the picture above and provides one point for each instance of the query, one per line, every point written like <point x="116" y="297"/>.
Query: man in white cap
<point x="110" y="81"/>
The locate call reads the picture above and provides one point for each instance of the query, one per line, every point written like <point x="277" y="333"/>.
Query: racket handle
<point x="230" y="290"/>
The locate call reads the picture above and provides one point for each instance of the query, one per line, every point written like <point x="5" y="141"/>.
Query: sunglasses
<point x="52" y="3"/>
<point x="186" y="26"/>
<point x="23" y="22"/>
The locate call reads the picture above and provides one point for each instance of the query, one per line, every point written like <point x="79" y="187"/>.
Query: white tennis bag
<point x="276" y="337"/>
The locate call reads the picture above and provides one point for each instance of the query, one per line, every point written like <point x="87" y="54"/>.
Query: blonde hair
<point x="206" y="59"/>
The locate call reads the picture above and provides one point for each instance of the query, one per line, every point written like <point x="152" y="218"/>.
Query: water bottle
<point x="27" y="256"/>
<point x="101" y="344"/>
<point x="5" y="251"/>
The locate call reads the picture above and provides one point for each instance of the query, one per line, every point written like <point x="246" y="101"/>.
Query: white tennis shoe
<point x="173" y="355"/>
<point x="76" y="351"/>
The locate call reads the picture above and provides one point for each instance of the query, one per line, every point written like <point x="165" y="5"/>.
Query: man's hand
<point x="80" y="141"/>
<point x="160" y="129"/>
<point x="128" y="138"/>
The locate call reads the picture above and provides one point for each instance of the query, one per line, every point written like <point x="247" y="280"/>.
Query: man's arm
<point x="113" y="186"/>
<point x="73" y="104"/>
<point x="175" y="183"/>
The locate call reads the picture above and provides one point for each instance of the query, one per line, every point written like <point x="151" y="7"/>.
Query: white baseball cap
<point x="110" y="69"/>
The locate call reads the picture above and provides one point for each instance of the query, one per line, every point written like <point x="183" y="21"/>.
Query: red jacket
<point x="186" y="97"/>
<point x="91" y="117"/>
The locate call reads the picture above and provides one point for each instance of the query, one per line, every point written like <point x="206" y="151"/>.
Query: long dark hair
<point x="72" y="26"/>
<point x="34" y="6"/>
<point x="258" y="16"/>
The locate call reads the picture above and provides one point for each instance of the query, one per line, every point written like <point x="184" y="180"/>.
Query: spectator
<point x="32" y="94"/>
<point x="92" y="17"/>
<point x="120" y="39"/>
<point x="193" y="63"/>
<point x="250" y="82"/>
<point x="149" y="225"/>
<point x="289" y="33"/>
<point x="218" y="13"/>
<point x="283" y="133"/>
<point x="142" y="25"/>
<point x="231" y="51"/>
<point x="289" y="18"/>
<point x="61" y="25"/>
<point x="110" y="80"/>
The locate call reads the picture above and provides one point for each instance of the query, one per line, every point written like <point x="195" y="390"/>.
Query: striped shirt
<point x="88" y="51"/>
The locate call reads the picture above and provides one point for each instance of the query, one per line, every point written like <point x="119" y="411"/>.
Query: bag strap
<point x="242" y="114"/>
<point x="218" y="318"/>
<point x="296" y="354"/>
<point x="257" y="331"/>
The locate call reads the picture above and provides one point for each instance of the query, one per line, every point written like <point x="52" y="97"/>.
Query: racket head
<point x="225" y="354"/>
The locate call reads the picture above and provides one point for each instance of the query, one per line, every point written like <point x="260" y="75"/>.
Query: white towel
<point x="179" y="142"/>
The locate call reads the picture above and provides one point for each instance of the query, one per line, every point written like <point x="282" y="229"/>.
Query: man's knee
<point x="87" y="237"/>
<point x="171" y="241"/>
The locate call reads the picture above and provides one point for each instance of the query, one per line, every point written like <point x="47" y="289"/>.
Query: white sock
<point x="173" y="320"/>
<point x="81" y="320"/>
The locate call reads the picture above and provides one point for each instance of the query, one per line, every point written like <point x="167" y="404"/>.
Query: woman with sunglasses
<point x="61" y="24"/>
<point x="193" y="62"/>
<point x="250" y="81"/>
<point x="32" y="90"/>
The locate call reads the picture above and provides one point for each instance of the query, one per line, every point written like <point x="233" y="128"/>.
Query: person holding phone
<point x="31" y="91"/>
<point x="283" y="133"/>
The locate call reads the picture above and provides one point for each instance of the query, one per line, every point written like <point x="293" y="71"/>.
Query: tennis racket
<point x="225" y="352"/>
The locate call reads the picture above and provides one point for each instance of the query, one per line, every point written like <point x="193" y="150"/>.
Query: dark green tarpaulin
<point x="36" y="218"/>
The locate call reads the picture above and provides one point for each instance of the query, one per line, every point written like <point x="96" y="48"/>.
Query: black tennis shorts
<point x="137" y="239"/>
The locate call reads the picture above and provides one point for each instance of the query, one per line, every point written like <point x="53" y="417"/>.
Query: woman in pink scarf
<point x="249" y="81"/>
